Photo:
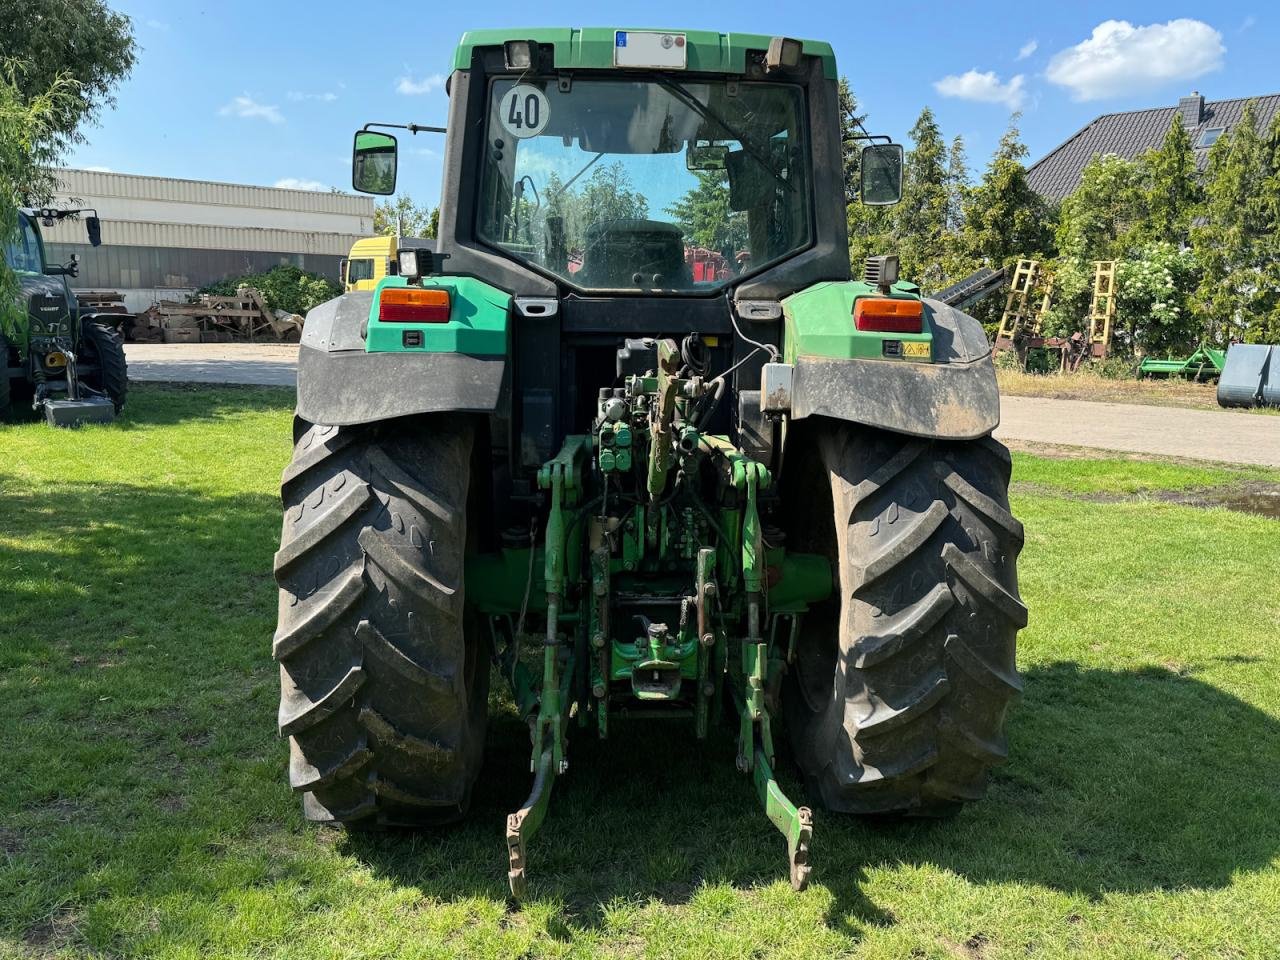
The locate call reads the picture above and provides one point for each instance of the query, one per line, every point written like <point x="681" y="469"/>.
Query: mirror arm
<point x="414" y="128"/>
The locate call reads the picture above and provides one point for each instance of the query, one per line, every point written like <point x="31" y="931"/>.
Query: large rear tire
<point x="896" y="701"/>
<point x="383" y="689"/>
<point x="102" y="347"/>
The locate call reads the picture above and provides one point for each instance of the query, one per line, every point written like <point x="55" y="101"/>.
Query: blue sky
<point x="270" y="92"/>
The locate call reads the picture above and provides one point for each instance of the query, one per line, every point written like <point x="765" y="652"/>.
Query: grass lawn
<point x="144" y="809"/>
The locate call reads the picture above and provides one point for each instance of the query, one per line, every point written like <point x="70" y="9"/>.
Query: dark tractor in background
<point x="66" y="363"/>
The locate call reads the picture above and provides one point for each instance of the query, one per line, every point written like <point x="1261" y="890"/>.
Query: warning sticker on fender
<point x="916" y="349"/>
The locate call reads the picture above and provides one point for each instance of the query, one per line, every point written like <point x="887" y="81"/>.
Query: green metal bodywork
<point x="818" y="322"/>
<point x="591" y="48"/>
<point x="478" y="318"/>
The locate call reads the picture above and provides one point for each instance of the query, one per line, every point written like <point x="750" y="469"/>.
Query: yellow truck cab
<point x="373" y="258"/>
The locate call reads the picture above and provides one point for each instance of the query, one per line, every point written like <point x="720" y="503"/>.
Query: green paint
<point x="818" y="322"/>
<point x="591" y="48"/>
<point x="806" y="579"/>
<point x="478" y="318"/>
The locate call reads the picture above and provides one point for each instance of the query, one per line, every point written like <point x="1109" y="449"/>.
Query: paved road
<point x="1229" y="436"/>
<point x="265" y="364"/>
<point x="1161" y="431"/>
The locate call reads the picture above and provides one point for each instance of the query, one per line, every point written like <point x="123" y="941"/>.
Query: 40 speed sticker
<point x="524" y="111"/>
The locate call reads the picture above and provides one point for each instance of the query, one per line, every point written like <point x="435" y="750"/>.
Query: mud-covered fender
<point x="954" y="398"/>
<point x="340" y="383"/>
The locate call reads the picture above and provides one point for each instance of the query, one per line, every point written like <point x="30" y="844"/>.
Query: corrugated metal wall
<point x="185" y="236"/>
<point x="81" y="183"/>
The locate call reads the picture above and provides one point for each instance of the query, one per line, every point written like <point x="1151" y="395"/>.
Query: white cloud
<point x="1248" y="23"/>
<point x="95" y="169"/>
<point x="298" y="96"/>
<point x="1119" y="58"/>
<point x="295" y="183"/>
<point x="983" y="88"/>
<point x="246" y="106"/>
<point x="412" y="88"/>
<point x="1027" y="49"/>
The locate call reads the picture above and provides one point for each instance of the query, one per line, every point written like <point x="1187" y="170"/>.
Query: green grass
<point x="144" y="809"/>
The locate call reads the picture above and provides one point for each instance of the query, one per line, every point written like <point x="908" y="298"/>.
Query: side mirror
<point x="93" y="226"/>
<point x="373" y="163"/>
<point x="68" y="269"/>
<point x="881" y="167"/>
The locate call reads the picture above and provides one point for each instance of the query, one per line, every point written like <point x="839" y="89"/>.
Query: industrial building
<point x="163" y="238"/>
<point x="1132" y="133"/>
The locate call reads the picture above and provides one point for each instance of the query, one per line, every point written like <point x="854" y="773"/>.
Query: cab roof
<point x="591" y="48"/>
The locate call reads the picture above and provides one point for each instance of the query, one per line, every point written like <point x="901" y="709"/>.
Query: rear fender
<point x="340" y="382"/>
<point x="954" y="397"/>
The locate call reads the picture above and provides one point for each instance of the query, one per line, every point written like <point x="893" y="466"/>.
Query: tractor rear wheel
<point x="897" y="697"/>
<point x="102" y="347"/>
<point x="383" y="686"/>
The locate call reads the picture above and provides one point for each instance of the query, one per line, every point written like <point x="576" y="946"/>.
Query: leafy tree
<point x="921" y="217"/>
<point x="400" y="216"/>
<point x="958" y="183"/>
<point x="84" y="42"/>
<point x="1154" y="284"/>
<point x="705" y="216"/>
<point x="1102" y="220"/>
<point x="610" y="195"/>
<point x="285" y="287"/>
<point x="1231" y="240"/>
<point x="28" y="150"/>
<point x="1005" y="219"/>
<point x="1171" y="186"/>
<point x="1266" y="324"/>
<point x="851" y="123"/>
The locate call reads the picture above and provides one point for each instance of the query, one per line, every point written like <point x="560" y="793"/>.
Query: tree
<point x="610" y="195"/>
<point x="1170" y="186"/>
<point x="1266" y="325"/>
<point x="82" y="44"/>
<point x="286" y="287"/>
<point x="705" y="216"/>
<point x="1004" y="219"/>
<point x="1231" y="240"/>
<point x="851" y="124"/>
<point x="921" y="217"/>
<point x="957" y="183"/>
<point x="400" y="216"/>
<point x="1154" y="284"/>
<point x="28" y="149"/>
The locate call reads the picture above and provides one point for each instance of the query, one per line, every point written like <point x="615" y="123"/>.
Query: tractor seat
<point x="634" y="253"/>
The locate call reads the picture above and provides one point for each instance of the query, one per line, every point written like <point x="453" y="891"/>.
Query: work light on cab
<point x="888" y="315"/>
<point x="413" y="305"/>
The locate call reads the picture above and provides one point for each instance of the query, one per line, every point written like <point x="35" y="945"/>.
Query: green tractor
<point x="67" y="363"/>
<point x="633" y="439"/>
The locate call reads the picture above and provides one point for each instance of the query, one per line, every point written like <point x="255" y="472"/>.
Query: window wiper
<point x="706" y="113"/>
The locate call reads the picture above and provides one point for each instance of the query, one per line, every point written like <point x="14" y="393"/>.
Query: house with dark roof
<point x="1130" y="134"/>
